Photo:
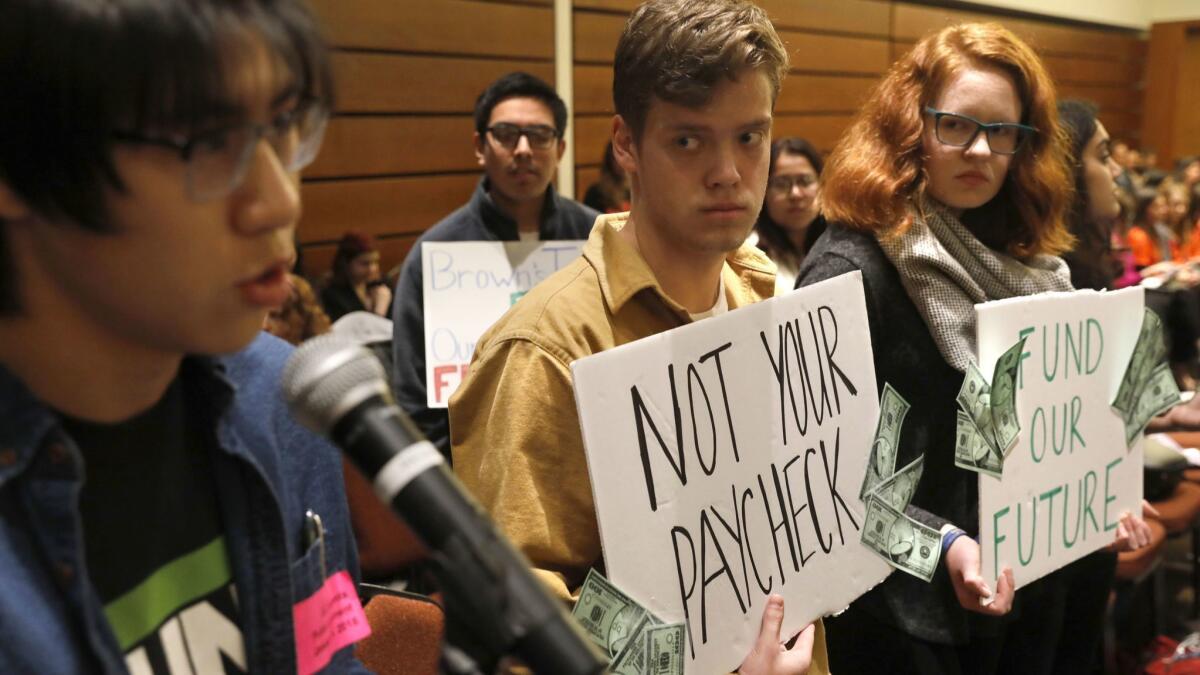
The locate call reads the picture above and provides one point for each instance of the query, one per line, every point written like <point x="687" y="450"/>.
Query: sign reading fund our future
<point x="467" y="286"/>
<point x="1070" y="474"/>
<point x="726" y="458"/>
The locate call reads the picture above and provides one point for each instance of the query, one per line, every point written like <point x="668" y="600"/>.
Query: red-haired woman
<point x="950" y="188"/>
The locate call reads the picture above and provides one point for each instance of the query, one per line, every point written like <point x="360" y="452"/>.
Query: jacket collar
<point x="500" y="223"/>
<point x="622" y="271"/>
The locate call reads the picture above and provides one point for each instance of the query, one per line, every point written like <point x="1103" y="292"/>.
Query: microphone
<point x="338" y="388"/>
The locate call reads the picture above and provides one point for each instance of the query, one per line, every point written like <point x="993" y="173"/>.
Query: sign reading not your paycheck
<point x="1070" y="475"/>
<point x="467" y="286"/>
<point x="726" y="458"/>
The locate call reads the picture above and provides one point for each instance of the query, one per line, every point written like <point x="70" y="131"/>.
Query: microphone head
<point x="327" y="376"/>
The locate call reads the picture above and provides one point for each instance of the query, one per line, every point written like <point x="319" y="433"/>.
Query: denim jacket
<point x="268" y="472"/>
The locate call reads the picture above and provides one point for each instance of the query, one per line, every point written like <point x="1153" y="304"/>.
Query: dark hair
<point x="76" y="72"/>
<point x="679" y="50"/>
<point x="523" y="85"/>
<point x="772" y="237"/>
<point x="1090" y="261"/>
<point x="353" y="244"/>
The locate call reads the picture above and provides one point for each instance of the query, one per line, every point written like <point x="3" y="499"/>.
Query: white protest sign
<point x="467" y="286"/>
<point x="1070" y="475"/>
<point x="726" y="458"/>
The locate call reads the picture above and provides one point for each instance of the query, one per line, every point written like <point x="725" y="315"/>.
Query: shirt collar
<point x="622" y="271"/>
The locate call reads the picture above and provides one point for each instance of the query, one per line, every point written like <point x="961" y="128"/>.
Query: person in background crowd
<point x="519" y="122"/>
<point x="354" y="283"/>
<point x="157" y="500"/>
<point x="1150" y="239"/>
<point x="300" y="317"/>
<point x="790" y="220"/>
<point x="1096" y="206"/>
<point x="694" y="87"/>
<point x="950" y="188"/>
<point x="610" y="194"/>
<point x="1178" y="218"/>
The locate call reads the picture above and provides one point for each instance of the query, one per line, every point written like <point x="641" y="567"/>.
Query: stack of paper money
<point x="906" y="544"/>
<point x="636" y="641"/>
<point x="987" y="425"/>
<point x="1147" y="388"/>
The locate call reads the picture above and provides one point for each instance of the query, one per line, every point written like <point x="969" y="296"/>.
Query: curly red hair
<point x="876" y="170"/>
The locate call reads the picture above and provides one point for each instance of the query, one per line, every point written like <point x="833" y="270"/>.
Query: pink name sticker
<point x="326" y="621"/>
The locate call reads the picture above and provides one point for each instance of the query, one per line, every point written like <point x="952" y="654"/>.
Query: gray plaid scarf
<point x="946" y="271"/>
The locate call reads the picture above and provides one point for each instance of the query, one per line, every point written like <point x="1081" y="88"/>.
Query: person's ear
<point x="562" y="147"/>
<point x="12" y="207"/>
<point x="623" y="145"/>
<point x="479" y="141"/>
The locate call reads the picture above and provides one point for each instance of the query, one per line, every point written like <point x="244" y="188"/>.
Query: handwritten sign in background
<point x="1070" y="475"/>
<point x="468" y="285"/>
<point x="726" y="458"/>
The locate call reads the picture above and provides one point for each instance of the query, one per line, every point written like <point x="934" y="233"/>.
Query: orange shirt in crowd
<point x="1145" y="249"/>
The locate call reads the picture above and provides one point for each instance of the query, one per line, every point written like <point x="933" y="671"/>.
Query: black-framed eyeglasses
<point x="960" y="131"/>
<point x="541" y="136"/>
<point x="217" y="160"/>
<point x="785" y="184"/>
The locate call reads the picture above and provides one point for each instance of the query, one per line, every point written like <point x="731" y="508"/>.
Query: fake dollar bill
<point x="906" y="544"/>
<point x="1159" y="395"/>
<point x="1003" y="398"/>
<point x="608" y="616"/>
<point x="632" y="659"/>
<point x="991" y="425"/>
<point x="898" y="490"/>
<point x="1147" y="387"/>
<point x="972" y="451"/>
<point x="892" y="410"/>
<point x="664" y="649"/>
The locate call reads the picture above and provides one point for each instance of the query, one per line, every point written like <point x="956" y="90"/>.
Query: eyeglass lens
<point x="540" y="136"/>
<point x="960" y="131"/>
<point x="219" y="160"/>
<point x="787" y="183"/>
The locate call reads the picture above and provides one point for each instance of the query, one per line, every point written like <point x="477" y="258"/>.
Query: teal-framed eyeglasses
<point x="217" y="160"/>
<point x="960" y="131"/>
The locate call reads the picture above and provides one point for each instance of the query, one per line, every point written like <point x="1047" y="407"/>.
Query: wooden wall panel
<point x="596" y="36"/>
<point x="823" y="93"/>
<point x="912" y="22"/>
<point x="440" y="26"/>
<point x="374" y="146"/>
<point x="813" y="53"/>
<point x="822" y="131"/>
<point x="390" y="83"/>
<point x="380" y="206"/>
<point x="591" y="135"/>
<point x="862" y="17"/>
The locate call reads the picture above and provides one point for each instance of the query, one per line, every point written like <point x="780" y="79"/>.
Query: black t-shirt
<point x="154" y="540"/>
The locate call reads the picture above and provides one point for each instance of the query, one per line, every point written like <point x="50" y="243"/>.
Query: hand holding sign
<point x="963" y="565"/>
<point x="769" y="657"/>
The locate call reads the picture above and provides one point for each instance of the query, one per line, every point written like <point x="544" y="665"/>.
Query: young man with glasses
<point x="159" y="509"/>
<point x="519" y="123"/>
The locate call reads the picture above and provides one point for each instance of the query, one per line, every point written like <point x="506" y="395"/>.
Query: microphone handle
<point x="486" y="575"/>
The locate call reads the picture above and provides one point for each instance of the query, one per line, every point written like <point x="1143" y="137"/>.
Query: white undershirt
<point x="721" y="306"/>
<point x="530" y="235"/>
